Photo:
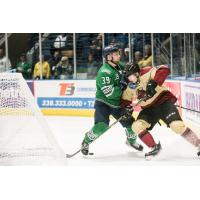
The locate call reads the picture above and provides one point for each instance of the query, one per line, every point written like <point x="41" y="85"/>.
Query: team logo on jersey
<point x="107" y="90"/>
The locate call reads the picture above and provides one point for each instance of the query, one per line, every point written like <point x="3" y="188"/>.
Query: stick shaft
<point x="188" y="109"/>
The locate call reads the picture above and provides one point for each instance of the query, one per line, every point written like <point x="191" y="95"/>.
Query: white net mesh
<point x="25" y="138"/>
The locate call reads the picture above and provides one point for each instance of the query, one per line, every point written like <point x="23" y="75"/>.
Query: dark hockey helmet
<point x="131" y="68"/>
<point x="109" y="49"/>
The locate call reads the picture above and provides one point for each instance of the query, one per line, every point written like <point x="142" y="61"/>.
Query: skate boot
<point x="155" y="150"/>
<point x="134" y="145"/>
<point x="198" y="153"/>
<point x="131" y="139"/>
<point x="84" y="148"/>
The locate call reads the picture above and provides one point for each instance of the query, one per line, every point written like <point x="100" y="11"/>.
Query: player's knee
<point x="177" y="126"/>
<point x="140" y="125"/>
<point x="100" y="128"/>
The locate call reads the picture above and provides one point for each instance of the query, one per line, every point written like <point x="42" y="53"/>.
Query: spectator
<point x="64" y="69"/>
<point x="99" y="47"/>
<point x="3" y="66"/>
<point x="54" y="61"/>
<point x="126" y="54"/>
<point x="114" y="42"/>
<point x="60" y="41"/>
<point x="138" y="58"/>
<point x="24" y="67"/>
<point x="45" y="70"/>
<point x="92" y="67"/>
<point x="147" y="60"/>
<point x="99" y="40"/>
<point x="94" y="49"/>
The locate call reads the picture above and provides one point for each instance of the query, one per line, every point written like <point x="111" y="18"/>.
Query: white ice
<point x="110" y="148"/>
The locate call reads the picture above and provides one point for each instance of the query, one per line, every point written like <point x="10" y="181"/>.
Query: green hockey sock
<point x="131" y="136"/>
<point x="97" y="130"/>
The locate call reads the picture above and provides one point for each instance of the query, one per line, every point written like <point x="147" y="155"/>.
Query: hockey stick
<point x="187" y="109"/>
<point x="109" y="127"/>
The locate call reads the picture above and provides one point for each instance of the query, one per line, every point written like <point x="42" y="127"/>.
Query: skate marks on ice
<point x="110" y="149"/>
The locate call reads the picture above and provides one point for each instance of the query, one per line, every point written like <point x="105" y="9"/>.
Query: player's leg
<point x="127" y="124"/>
<point x="101" y="122"/>
<point x="146" y="120"/>
<point x="173" y="119"/>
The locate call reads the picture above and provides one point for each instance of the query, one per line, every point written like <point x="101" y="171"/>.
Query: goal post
<point x="25" y="138"/>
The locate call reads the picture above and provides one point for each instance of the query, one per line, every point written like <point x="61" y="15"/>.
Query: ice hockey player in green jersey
<point x="109" y="89"/>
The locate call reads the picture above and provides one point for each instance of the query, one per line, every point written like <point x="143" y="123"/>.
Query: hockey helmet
<point x="109" y="49"/>
<point x="131" y="68"/>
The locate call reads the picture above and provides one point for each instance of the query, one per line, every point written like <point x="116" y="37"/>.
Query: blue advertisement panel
<point x="56" y="102"/>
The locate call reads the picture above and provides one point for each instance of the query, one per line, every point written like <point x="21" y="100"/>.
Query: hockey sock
<point x="191" y="137"/>
<point x="97" y="130"/>
<point x="131" y="136"/>
<point x="147" y="138"/>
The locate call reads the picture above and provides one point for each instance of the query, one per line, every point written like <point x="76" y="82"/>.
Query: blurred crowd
<point x="59" y="65"/>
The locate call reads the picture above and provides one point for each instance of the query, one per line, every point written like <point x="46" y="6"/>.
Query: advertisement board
<point x="76" y="97"/>
<point x="68" y="97"/>
<point x="191" y="100"/>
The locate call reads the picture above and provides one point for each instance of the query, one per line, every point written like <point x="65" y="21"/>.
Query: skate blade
<point x="134" y="148"/>
<point x="151" y="157"/>
<point x="88" y="155"/>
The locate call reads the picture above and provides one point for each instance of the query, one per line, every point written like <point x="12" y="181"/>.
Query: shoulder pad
<point x="145" y="70"/>
<point x="162" y="66"/>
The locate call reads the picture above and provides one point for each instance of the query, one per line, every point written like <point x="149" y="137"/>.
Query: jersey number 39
<point x="106" y="80"/>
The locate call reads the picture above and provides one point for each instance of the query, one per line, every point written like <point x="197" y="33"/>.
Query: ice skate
<point x="155" y="151"/>
<point x="84" y="148"/>
<point x="135" y="145"/>
<point x="198" y="149"/>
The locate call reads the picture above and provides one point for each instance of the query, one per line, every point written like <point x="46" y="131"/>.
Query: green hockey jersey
<point x="108" y="88"/>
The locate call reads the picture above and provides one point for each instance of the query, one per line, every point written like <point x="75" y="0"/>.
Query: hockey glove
<point x="123" y="82"/>
<point x="150" y="91"/>
<point x="127" y="112"/>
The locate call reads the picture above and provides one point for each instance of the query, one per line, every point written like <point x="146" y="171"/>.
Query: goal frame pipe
<point x="40" y="54"/>
<point x="74" y="49"/>
<point x="6" y="50"/>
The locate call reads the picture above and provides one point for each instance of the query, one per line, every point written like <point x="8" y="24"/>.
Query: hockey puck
<point x="91" y="154"/>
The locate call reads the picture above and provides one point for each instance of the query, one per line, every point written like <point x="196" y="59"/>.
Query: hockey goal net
<point x="25" y="138"/>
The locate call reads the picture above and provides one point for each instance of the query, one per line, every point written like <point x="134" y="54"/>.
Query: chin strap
<point x="110" y="62"/>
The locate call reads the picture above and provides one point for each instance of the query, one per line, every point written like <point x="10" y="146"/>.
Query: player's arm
<point x="158" y="76"/>
<point x="106" y="84"/>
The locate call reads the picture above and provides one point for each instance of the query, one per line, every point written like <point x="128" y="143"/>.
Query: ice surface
<point x="110" y="148"/>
